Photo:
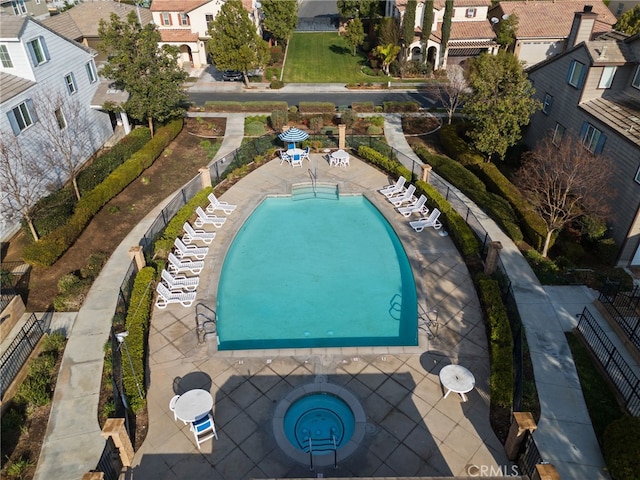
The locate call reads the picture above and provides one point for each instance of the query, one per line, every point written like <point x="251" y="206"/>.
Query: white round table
<point x="340" y="157"/>
<point x="193" y="405"/>
<point x="456" y="378"/>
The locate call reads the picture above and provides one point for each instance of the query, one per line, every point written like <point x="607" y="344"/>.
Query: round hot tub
<point x="319" y="419"/>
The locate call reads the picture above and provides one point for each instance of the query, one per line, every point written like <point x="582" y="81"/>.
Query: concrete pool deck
<point x="411" y="429"/>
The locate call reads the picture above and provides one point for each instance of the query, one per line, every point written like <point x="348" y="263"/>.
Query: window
<point x="558" y="133"/>
<point x="22" y="117"/>
<point x="470" y="13"/>
<point x="637" y="179"/>
<point x="70" y="81"/>
<point x="91" y="71"/>
<point x="577" y="72"/>
<point x="546" y="104"/>
<point x="620" y="9"/>
<point x="592" y="138"/>
<point x="62" y="122"/>
<point x="19" y="8"/>
<point x="607" y="77"/>
<point x="184" y="19"/>
<point x="38" y="51"/>
<point x="208" y="18"/>
<point x="636" y="78"/>
<point x="166" y="18"/>
<point x="5" y="58"/>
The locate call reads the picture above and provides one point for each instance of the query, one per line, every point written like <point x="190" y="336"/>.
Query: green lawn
<point x="323" y="58"/>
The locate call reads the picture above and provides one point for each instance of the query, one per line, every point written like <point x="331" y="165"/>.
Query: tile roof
<point x="64" y="25"/>
<point x="86" y="17"/>
<point x="177" y="35"/>
<point x="439" y="4"/>
<point x="552" y="19"/>
<point x="619" y="111"/>
<point x="471" y="30"/>
<point x="11" y="26"/>
<point x="11" y="85"/>
<point x="176" y="5"/>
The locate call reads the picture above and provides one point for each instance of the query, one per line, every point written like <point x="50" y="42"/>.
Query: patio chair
<point x="189" y="251"/>
<point x="206" y="219"/>
<point x="204" y="429"/>
<point x="284" y="157"/>
<point x="172" y="407"/>
<point x="406" y="197"/>
<point x="305" y="153"/>
<point x="344" y="162"/>
<point x="430" y="221"/>
<point x="296" y="161"/>
<point x="291" y="146"/>
<point x="179" y="282"/>
<point x="394" y="189"/>
<point x="216" y="204"/>
<point x="166" y="296"/>
<point x="177" y="265"/>
<point x="417" y="207"/>
<point x="191" y="234"/>
<point x="333" y="161"/>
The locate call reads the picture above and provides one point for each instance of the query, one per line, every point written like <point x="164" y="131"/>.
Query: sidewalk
<point x="565" y="436"/>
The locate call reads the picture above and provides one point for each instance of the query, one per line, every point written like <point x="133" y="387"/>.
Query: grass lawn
<point x="323" y="58"/>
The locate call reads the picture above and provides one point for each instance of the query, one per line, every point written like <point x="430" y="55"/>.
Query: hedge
<point x="455" y="146"/>
<point x="366" y="107"/>
<point x="46" y="251"/>
<point x="317" y="107"/>
<point x="398" y="107"/>
<point x="253" y="106"/>
<point x="622" y="448"/>
<point x="500" y="341"/>
<point x="137" y="324"/>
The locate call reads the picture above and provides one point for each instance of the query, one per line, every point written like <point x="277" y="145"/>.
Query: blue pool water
<point x="322" y="418"/>
<point x="316" y="273"/>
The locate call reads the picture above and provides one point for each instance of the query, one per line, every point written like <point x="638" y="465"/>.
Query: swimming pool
<point x="316" y="273"/>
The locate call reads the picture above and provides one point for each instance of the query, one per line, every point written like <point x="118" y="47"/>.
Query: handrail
<point x="314" y="178"/>
<point x="323" y="445"/>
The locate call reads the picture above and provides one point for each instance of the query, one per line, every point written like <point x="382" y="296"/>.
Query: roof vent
<point x="603" y="53"/>
<point x="588" y="8"/>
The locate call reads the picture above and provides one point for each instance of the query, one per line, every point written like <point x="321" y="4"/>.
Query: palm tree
<point x="387" y="53"/>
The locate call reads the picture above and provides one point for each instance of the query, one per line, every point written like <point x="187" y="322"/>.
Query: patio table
<point x="456" y="378"/>
<point x="340" y="157"/>
<point x="193" y="405"/>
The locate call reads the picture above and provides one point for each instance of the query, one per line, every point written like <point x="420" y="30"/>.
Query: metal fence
<point x="626" y="382"/>
<point x="624" y="308"/>
<point x="529" y="456"/>
<point x="19" y="350"/>
<point x="14" y="280"/>
<point x="110" y="462"/>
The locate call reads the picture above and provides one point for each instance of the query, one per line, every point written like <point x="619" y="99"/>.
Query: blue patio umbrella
<point x="293" y="135"/>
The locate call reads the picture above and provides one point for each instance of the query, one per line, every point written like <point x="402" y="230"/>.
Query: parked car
<point x="232" y="76"/>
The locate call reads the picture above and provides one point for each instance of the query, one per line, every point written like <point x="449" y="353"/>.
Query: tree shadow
<point x="339" y="50"/>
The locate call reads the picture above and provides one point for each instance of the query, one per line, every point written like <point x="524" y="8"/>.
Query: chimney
<point x="582" y="26"/>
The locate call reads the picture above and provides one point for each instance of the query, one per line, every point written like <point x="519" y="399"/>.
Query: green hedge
<point x="622" y="448"/>
<point x="46" y="251"/>
<point x="254" y="106"/>
<point x="366" y="107"/>
<point x="462" y="234"/>
<point x="137" y="324"/>
<point x="455" y="146"/>
<point x="399" y="107"/>
<point x="317" y="107"/>
<point x="500" y="341"/>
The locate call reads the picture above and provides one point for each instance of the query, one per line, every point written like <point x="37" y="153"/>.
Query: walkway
<point x="565" y="436"/>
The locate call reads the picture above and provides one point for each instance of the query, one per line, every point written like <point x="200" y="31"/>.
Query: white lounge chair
<point x="394" y="189"/>
<point x="430" y="221"/>
<point x="177" y="265"/>
<point x="417" y="207"/>
<point x="180" y="282"/>
<point x="406" y="197"/>
<point x="216" y="204"/>
<point x="206" y="219"/>
<point x="166" y="296"/>
<point x="191" y="234"/>
<point x="189" y="251"/>
<point x="296" y="160"/>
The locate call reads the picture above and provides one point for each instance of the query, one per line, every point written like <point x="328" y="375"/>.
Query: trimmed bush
<point x="51" y="247"/>
<point x="317" y="107"/>
<point x="253" y="106"/>
<point x="365" y="107"/>
<point x="316" y="123"/>
<point x="456" y="147"/>
<point x="51" y="212"/>
<point x="622" y="448"/>
<point x="500" y="341"/>
<point x="399" y="107"/>
<point x="254" y="129"/>
<point x="374" y="130"/>
<point x="377" y="121"/>
<point x="349" y="118"/>
<point x="278" y="119"/>
<point x="137" y="324"/>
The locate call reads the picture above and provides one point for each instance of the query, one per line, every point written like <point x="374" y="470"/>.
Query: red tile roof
<point x="471" y="30"/>
<point x="176" y="5"/>
<point x="175" y="35"/>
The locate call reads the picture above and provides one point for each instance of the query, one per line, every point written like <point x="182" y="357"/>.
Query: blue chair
<point x="204" y="429"/>
<point x="296" y="160"/>
<point x="291" y="146"/>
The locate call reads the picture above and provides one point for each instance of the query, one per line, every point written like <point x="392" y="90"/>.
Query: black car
<point x="232" y="76"/>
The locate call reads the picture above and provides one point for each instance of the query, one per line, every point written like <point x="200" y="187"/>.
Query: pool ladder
<point x="205" y="322"/>
<point x="323" y="445"/>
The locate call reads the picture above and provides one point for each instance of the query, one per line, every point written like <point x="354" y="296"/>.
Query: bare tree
<point x="563" y="182"/>
<point x="452" y="94"/>
<point x="23" y="181"/>
<point x="65" y="137"/>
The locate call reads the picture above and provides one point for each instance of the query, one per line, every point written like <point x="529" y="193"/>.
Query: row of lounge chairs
<point x="406" y="203"/>
<point x="188" y="258"/>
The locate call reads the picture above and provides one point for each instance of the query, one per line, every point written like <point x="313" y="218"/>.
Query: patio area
<point x="411" y="430"/>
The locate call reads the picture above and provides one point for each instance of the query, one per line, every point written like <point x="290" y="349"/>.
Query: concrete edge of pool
<point x="309" y="389"/>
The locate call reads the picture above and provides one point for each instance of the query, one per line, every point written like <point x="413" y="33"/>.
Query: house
<point x="544" y="26"/>
<point x="471" y="33"/>
<point x="592" y="90"/>
<point x="34" y="8"/>
<point x="80" y="23"/>
<point x="47" y="86"/>
<point x="184" y="24"/>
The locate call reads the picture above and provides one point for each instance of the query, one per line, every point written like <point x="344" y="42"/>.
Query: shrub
<point x="254" y="129"/>
<point x="315" y="123"/>
<point x="374" y="130"/>
<point x="622" y="448"/>
<point x="317" y="107"/>
<point x="456" y="147"/>
<point x="396" y="107"/>
<point x="349" y="118"/>
<point x="51" y="211"/>
<point x="278" y="119"/>
<point x="376" y="120"/>
<point x="95" y="263"/>
<point x="362" y="107"/>
<point x="277" y="55"/>
<point x="68" y="282"/>
<point x="37" y="388"/>
<point x="544" y="268"/>
<point x="276" y="84"/>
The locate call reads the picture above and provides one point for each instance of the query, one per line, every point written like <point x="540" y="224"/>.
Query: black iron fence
<point x="626" y="382"/>
<point x="528" y="456"/>
<point x="110" y="463"/>
<point x="624" y="308"/>
<point x="19" y="350"/>
<point x="14" y="280"/>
